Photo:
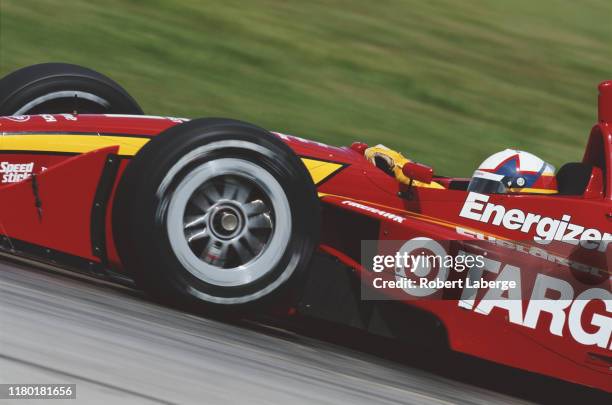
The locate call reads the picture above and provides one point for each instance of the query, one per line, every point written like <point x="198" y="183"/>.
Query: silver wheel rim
<point x="62" y="94"/>
<point x="229" y="222"/>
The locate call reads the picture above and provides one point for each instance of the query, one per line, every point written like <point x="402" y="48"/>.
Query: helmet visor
<point x="486" y="186"/>
<point x="487" y="183"/>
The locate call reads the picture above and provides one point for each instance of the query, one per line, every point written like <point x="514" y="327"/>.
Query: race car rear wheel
<point x="55" y="88"/>
<point x="218" y="212"/>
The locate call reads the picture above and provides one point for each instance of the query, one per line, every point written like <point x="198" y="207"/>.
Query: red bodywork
<point x="62" y="211"/>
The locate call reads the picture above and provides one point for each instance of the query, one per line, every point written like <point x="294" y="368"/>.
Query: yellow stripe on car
<point x="533" y="190"/>
<point x="66" y="143"/>
<point x="128" y="146"/>
<point x="320" y="170"/>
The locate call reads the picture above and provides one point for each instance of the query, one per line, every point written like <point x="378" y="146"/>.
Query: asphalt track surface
<point x="120" y="348"/>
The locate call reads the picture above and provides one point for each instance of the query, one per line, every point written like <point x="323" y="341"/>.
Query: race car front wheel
<point x="216" y="211"/>
<point x="55" y="88"/>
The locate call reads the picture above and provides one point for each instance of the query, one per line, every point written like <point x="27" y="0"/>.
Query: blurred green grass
<point x="446" y="82"/>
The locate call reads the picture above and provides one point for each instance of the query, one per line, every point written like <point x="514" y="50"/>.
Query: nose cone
<point x="605" y="101"/>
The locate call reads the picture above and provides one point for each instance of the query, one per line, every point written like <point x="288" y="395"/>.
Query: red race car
<point x="230" y="217"/>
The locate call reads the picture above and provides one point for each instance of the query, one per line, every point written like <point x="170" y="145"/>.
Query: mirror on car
<point x="418" y="172"/>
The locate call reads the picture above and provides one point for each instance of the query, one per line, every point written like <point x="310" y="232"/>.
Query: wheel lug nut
<point x="229" y="221"/>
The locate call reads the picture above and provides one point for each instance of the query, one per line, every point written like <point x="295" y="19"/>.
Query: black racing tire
<point x="232" y="165"/>
<point x="55" y="88"/>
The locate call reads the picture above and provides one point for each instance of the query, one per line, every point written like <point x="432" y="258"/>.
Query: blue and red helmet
<point x="514" y="171"/>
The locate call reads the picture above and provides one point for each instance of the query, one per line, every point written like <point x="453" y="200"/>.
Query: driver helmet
<point x="514" y="171"/>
